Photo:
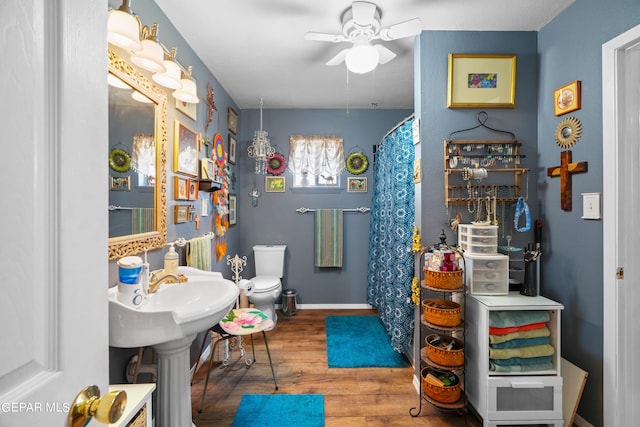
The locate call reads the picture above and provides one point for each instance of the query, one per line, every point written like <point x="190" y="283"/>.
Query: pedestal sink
<point x="169" y="320"/>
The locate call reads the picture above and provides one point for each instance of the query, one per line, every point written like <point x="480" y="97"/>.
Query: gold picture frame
<point x="567" y="98"/>
<point x="274" y="184"/>
<point x="181" y="213"/>
<point x="185" y="150"/>
<point x="481" y="81"/>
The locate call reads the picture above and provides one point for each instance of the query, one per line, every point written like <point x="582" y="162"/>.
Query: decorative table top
<point x="245" y="321"/>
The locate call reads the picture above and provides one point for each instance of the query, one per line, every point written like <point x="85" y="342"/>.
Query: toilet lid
<point x="265" y="283"/>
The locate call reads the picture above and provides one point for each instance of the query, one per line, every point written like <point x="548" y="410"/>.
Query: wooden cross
<point x="564" y="171"/>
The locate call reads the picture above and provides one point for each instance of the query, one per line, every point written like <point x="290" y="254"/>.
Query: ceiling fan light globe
<point x="362" y="59"/>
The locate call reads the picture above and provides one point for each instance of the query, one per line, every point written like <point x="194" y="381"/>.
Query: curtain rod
<point x="400" y="123"/>
<point x="361" y="209"/>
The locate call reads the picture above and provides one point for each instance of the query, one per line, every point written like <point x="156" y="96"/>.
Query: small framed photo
<point x="185" y="150"/>
<point x="232" y="120"/>
<point x="181" y="213"/>
<point x="566" y="98"/>
<point x="193" y="189"/>
<point x="180" y="188"/>
<point x="274" y="184"/>
<point x="232" y="149"/>
<point x="481" y="81"/>
<point x="121" y="183"/>
<point x="207" y="169"/>
<point x="233" y="206"/>
<point x="356" y="184"/>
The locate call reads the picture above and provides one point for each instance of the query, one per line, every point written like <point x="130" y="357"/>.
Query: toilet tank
<point x="269" y="260"/>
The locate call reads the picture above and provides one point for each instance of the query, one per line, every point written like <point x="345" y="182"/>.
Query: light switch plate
<point x="590" y="205"/>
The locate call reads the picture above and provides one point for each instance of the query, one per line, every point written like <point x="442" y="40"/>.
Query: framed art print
<point x="232" y="149"/>
<point x="356" y="184"/>
<point x="193" y="189"/>
<point x="181" y="213"/>
<point x="274" y="184"/>
<point x="180" y="188"/>
<point x="121" y="183"/>
<point x="481" y="81"/>
<point x="185" y="150"/>
<point x="567" y="98"/>
<point x="233" y="210"/>
<point x="232" y="120"/>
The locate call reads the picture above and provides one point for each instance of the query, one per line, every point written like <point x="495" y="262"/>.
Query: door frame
<point x="615" y="409"/>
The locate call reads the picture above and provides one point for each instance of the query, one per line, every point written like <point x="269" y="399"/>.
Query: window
<point x="316" y="161"/>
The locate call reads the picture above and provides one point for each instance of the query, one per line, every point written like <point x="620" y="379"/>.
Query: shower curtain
<point x="390" y="236"/>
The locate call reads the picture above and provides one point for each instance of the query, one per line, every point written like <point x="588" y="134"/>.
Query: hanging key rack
<point x="475" y="169"/>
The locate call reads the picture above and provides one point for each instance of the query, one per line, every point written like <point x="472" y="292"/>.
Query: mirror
<point x="137" y="162"/>
<point x="568" y="132"/>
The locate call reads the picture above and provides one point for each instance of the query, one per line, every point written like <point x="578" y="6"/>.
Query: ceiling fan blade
<point x="339" y="58"/>
<point x="324" y="37"/>
<point x="363" y="12"/>
<point x="409" y="28"/>
<point x="385" y="54"/>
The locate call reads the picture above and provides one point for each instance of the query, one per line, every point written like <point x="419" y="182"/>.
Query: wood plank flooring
<point x="373" y="397"/>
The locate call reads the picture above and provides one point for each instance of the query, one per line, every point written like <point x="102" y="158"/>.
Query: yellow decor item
<point x="415" y="291"/>
<point x="417" y="244"/>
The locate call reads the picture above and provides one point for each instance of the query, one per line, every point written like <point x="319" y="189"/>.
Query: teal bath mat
<point x="360" y="342"/>
<point x="280" y="410"/>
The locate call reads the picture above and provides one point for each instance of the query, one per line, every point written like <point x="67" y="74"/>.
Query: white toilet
<point x="269" y="263"/>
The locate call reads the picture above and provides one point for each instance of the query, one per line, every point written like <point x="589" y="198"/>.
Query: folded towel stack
<point x="519" y="341"/>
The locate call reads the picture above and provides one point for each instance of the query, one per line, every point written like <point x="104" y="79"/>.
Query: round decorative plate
<point x="568" y="132"/>
<point x="119" y="160"/>
<point x="357" y="163"/>
<point x="276" y="164"/>
<point x="245" y="321"/>
<point x="218" y="150"/>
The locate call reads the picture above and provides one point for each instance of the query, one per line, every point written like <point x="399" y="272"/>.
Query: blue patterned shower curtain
<point x="390" y="236"/>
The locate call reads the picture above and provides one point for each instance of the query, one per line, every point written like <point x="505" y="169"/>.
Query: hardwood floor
<point x="373" y="397"/>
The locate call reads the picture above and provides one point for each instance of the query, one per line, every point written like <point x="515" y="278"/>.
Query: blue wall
<point x="570" y="48"/>
<point x="275" y="221"/>
<point x="437" y="121"/>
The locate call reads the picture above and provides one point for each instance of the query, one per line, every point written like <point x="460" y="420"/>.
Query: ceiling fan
<point x="361" y="25"/>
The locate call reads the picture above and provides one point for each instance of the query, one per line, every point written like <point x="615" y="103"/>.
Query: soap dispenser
<point x="171" y="260"/>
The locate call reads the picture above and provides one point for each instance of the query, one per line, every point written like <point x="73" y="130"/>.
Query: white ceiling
<point x="256" y="48"/>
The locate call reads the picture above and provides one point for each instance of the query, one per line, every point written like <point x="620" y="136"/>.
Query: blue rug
<point x="280" y="410"/>
<point x="360" y="342"/>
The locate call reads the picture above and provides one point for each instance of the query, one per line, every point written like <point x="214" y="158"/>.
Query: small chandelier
<point x="260" y="149"/>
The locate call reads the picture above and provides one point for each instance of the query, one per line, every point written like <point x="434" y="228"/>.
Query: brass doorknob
<point x="88" y="404"/>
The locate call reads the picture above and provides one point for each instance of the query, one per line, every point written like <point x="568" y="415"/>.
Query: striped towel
<point x="199" y="253"/>
<point x="328" y="237"/>
<point x="142" y="220"/>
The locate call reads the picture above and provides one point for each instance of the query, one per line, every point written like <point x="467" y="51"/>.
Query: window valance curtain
<point x="143" y="156"/>
<point x="316" y="155"/>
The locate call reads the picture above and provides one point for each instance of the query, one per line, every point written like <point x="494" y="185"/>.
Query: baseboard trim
<point x="581" y="422"/>
<point x="416" y="383"/>
<point x="331" y="306"/>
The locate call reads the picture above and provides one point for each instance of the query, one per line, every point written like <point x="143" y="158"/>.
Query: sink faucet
<point x="159" y="277"/>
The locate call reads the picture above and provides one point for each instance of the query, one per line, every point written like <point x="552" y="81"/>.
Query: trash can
<point x="289" y="302"/>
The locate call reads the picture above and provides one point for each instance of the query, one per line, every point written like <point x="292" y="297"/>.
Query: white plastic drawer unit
<point x="478" y="239"/>
<point x="524" y="398"/>
<point x="487" y="274"/>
